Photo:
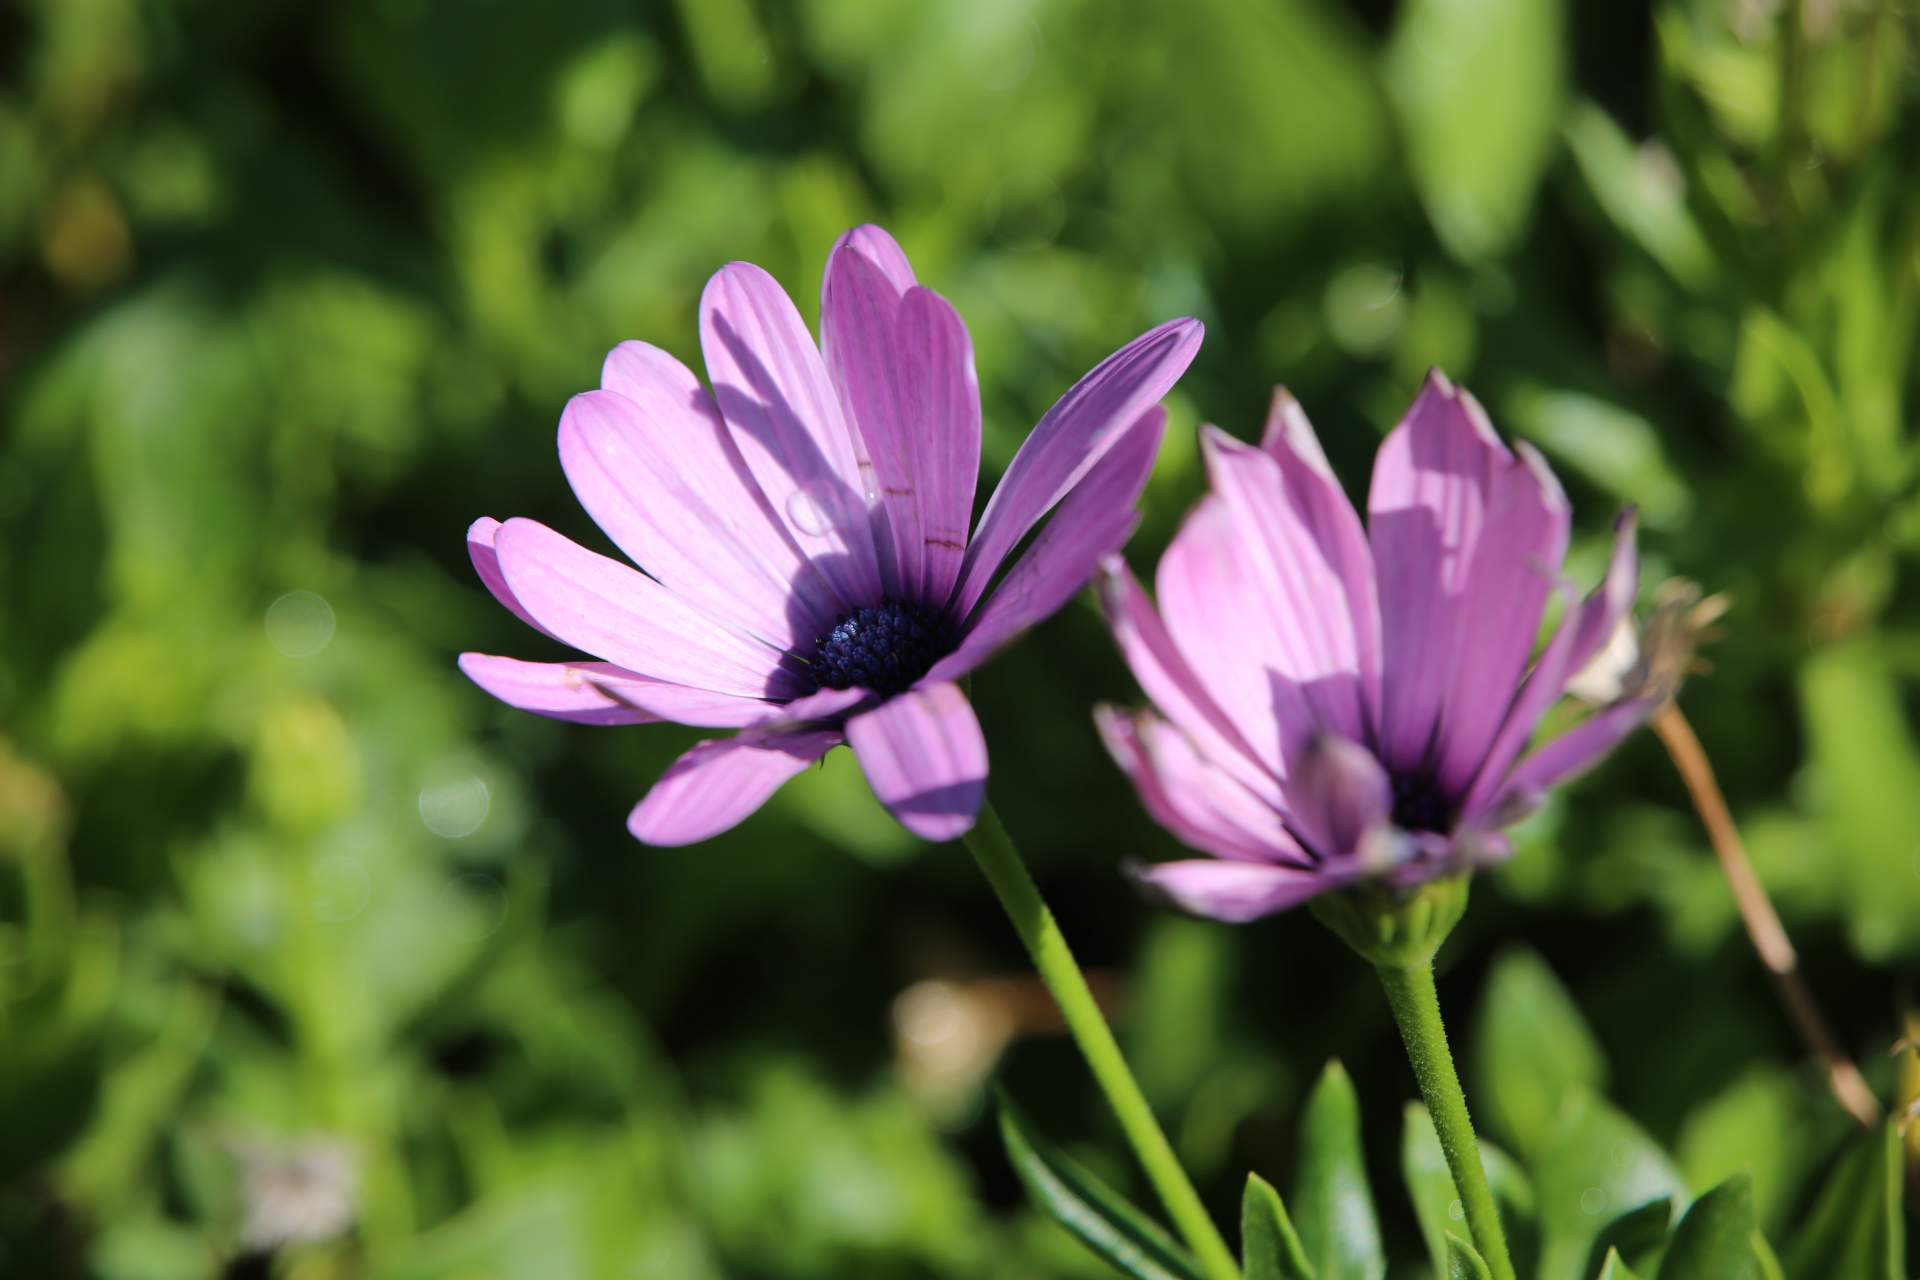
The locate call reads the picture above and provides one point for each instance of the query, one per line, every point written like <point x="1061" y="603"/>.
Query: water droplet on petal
<point x="808" y="514"/>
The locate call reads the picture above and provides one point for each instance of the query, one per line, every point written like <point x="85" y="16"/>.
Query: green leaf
<point x="1091" y="1210"/>
<point x="1637" y="1234"/>
<point x="1855" y="1230"/>
<point x="1612" y="1267"/>
<point x="1337" y="1223"/>
<point x="1477" y="85"/>
<point x="1267" y="1237"/>
<point x="1715" y="1240"/>
<point x="1597" y="1165"/>
<point x="1531" y="1049"/>
<point x="1436" y="1201"/>
<point x="1464" y="1261"/>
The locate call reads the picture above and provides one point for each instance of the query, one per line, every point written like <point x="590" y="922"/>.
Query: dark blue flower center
<point x="884" y="648"/>
<point x="1418" y="804"/>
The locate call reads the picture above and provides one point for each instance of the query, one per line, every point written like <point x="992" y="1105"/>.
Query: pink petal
<point x="782" y="412"/>
<point x="1576" y="750"/>
<point x="877" y="246"/>
<point x="1325" y="514"/>
<point x="1609" y="602"/>
<point x="1200" y="803"/>
<point x="925" y="758"/>
<point x="601" y="693"/>
<point x="1543" y="687"/>
<point x="903" y="364"/>
<point x="1207" y="593"/>
<point x="1166" y="678"/>
<point x="486" y="562"/>
<point x="609" y="610"/>
<point x="715" y="786"/>
<point x="1339" y="795"/>
<point x="1093" y="521"/>
<point x="1069" y="439"/>
<point x="1300" y="614"/>
<point x="1465" y="541"/>
<point x="1233" y="891"/>
<point x="651" y="460"/>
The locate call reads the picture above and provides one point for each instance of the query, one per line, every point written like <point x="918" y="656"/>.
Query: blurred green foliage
<point x="315" y="962"/>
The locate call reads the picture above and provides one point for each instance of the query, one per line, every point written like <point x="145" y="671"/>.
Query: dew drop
<point x="807" y="514"/>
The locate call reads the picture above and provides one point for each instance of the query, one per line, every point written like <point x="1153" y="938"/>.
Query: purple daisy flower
<point x="1337" y="704"/>
<point x="806" y="575"/>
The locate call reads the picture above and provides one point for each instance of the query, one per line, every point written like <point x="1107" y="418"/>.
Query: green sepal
<point x="1393" y="927"/>
<point x="1637" y="1234"/>
<point x="1613" y="1267"/>
<point x="1714" y="1241"/>
<point x="1464" y="1261"/>
<point x="1332" y="1200"/>
<point x="1103" y="1219"/>
<point x="1856" y="1229"/>
<point x="1267" y="1238"/>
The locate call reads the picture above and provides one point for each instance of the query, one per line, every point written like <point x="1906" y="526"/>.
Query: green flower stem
<point x="1416" y="1007"/>
<point x="995" y="853"/>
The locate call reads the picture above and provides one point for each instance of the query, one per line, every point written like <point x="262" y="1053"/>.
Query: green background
<point x="291" y="293"/>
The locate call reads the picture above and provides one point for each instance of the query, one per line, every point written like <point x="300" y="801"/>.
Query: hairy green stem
<point x="994" y="851"/>
<point x="1416" y="1007"/>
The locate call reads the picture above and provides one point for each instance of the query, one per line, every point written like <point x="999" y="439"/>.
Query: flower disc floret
<point x="885" y="648"/>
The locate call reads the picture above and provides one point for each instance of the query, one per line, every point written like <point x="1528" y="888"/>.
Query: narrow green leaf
<point x="1267" y="1238"/>
<point x="1715" y="1240"/>
<point x="1091" y="1210"/>
<point x="1635" y="1234"/>
<point x="1338" y="1228"/>
<point x="1855" y="1230"/>
<point x="1612" y="1267"/>
<point x="1464" y="1261"/>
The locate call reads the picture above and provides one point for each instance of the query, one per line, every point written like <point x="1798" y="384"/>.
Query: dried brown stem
<point x="1763" y="923"/>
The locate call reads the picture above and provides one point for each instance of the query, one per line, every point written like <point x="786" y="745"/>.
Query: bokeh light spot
<point x="338" y="888"/>
<point x="299" y="624"/>
<point x="455" y="808"/>
<point x="472" y="907"/>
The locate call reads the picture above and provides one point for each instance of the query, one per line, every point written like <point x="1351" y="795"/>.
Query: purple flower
<point x="1337" y="704"/>
<point x="808" y="576"/>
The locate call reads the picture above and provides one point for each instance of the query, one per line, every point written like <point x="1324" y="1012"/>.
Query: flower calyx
<point x="1393" y="927"/>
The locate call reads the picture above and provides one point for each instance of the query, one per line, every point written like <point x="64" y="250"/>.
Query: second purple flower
<point x="1338" y="704"/>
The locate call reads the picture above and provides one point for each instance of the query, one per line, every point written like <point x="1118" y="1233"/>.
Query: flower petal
<point x="1093" y="521"/>
<point x="1200" y="803"/>
<point x="614" y="612"/>
<point x="653" y="463"/>
<point x="1326" y="514"/>
<point x="876" y="245"/>
<point x="1466" y="540"/>
<point x="1576" y="750"/>
<point x="1171" y="684"/>
<point x="782" y="411"/>
<point x="903" y="364"/>
<point x="1207" y="590"/>
<point x="1232" y="891"/>
<point x="1601" y="612"/>
<point x="1339" y="794"/>
<point x="486" y="562"/>
<point x="601" y="693"/>
<point x="1069" y="439"/>
<point x="1301" y="615"/>
<point x="715" y="786"/>
<point x="925" y="758"/>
